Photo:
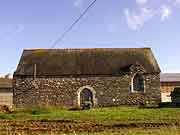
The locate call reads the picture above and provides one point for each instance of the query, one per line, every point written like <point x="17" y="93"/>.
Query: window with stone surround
<point x="138" y="83"/>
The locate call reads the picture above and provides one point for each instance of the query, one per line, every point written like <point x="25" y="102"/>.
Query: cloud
<point x="9" y="75"/>
<point x="141" y="2"/>
<point x="135" y="20"/>
<point x="165" y="12"/>
<point x="78" y="3"/>
<point x="177" y="3"/>
<point x="145" y="10"/>
<point x="11" y="31"/>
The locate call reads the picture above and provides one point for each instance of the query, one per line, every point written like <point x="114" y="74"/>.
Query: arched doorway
<point x="86" y="94"/>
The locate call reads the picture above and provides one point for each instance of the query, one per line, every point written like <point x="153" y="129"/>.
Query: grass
<point x="112" y="114"/>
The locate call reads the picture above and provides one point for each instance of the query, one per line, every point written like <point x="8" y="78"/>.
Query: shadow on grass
<point x="161" y="105"/>
<point x="169" y="105"/>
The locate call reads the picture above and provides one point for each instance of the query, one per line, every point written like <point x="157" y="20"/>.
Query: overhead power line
<point x="61" y="37"/>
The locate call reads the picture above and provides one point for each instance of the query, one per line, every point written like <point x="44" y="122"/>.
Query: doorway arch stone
<point x="94" y="99"/>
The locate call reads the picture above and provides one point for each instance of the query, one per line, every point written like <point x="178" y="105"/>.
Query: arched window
<point x="138" y="83"/>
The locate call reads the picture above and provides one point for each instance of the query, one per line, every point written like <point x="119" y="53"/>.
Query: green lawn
<point x="111" y="114"/>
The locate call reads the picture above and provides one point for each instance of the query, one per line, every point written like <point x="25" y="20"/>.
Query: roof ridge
<point x="29" y="49"/>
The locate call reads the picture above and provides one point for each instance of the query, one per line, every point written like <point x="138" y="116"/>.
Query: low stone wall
<point x="63" y="91"/>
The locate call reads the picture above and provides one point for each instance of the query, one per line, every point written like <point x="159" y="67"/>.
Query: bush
<point x="176" y="92"/>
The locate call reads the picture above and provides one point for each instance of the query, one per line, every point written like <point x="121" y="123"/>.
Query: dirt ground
<point x="62" y="126"/>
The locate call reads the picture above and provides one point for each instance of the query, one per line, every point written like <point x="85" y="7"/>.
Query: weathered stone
<point x="110" y="91"/>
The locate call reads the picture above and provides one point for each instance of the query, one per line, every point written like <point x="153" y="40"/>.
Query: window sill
<point x="138" y="92"/>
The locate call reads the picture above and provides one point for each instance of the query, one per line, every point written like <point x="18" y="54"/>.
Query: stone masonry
<point x="63" y="91"/>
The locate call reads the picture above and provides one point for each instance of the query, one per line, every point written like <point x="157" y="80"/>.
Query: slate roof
<point x="170" y="77"/>
<point x="90" y="61"/>
<point x="5" y="83"/>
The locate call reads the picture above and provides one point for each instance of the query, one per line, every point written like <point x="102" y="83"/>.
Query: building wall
<point x="110" y="91"/>
<point x="166" y="89"/>
<point x="6" y="97"/>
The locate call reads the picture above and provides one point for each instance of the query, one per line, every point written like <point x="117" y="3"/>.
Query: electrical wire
<point x="61" y="37"/>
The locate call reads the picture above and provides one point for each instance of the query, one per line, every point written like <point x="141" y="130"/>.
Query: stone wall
<point x="63" y="91"/>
